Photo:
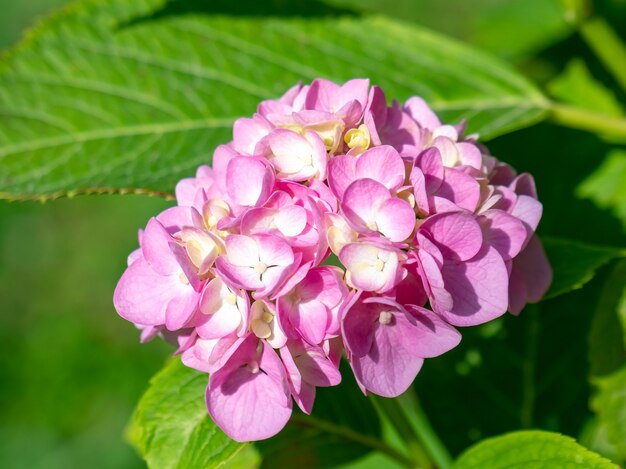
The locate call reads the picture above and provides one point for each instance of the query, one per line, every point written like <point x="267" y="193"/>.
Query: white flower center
<point x="385" y="317"/>
<point x="260" y="268"/>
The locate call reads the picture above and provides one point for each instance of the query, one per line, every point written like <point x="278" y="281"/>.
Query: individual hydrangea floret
<point x="334" y="224"/>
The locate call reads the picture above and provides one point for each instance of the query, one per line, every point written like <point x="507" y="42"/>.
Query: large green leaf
<point x="171" y="427"/>
<point x="531" y="450"/>
<point x="111" y="95"/>
<point x="610" y="404"/>
<point x="575" y="263"/>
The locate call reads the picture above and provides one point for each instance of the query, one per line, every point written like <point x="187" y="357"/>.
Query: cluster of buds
<point x="332" y="224"/>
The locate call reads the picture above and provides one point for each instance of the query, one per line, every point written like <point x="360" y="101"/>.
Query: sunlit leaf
<point x="112" y="95"/>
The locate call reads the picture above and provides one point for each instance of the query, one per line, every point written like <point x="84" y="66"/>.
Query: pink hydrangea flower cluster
<point x="426" y="229"/>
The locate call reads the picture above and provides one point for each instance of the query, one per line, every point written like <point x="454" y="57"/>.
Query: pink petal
<point x="237" y="276"/>
<point x="155" y="246"/>
<point x="180" y="309"/>
<point x="504" y="232"/>
<point x="419" y="110"/>
<point x="310" y="319"/>
<point x="479" y="288"/>
<point x="248" y="132"/>
<point x="534" y="270"/>
<point x="361" y="202"/>
<point x="242" y="250"/>
<point x="382" y="164"/>
<point x="341" y="173"/>
<point x="247" y="405"/>
<point x="274" y="250"/>
<point x="388" y="369"/>
<point x="529" y="211"/>
<point x="458" y="235"/>
<point x="249" y="181"/>
<point x="291" y="220"/>
<point x="460" y="188"/>
<point x="395" y="219"/>
<point x="436" y="336"/>
<point x="142" y="295"/>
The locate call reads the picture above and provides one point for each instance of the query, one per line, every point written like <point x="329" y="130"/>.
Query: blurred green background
<point x="72" y="370"/>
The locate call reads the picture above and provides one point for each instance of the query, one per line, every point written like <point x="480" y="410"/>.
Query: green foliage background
<point x="72" y="371"/>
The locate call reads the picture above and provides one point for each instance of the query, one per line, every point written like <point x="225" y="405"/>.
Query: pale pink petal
<point x="155" y="246"/>
<point x="180" y="309"/>
<point x="395" y="219"/>
<point x="249" y="181"/>
<point x="291" y="220"/>
<point x="361" y="202"/>
<point x="239" y="277"/>
<point x="341" y="173"/>
<point x="274" y="250"/>
<point x="382" y="164"/>
<point x="242" y="250"/>
<point x="248" y="132"/>
<point x="419" y="110"/>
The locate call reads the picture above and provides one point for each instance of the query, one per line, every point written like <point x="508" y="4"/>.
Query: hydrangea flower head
<point x="333" y="224"/>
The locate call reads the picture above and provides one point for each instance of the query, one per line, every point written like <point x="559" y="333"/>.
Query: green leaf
<point x="171" y="427"/>
<point x="577" y="86"/>
<point x="508" y="28"/>
<point x="575" y="263"/>
<point x="531" y="450"/>
<point x="610" y="405"/>
<point x="606" y="186"/>
<point x="111" y="95"/>
<point x="607" y="338"/>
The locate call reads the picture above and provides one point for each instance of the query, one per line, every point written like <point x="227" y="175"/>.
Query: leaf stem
<point x="584" y="119"/>
<point x="396" y="416"/>
<point x="607" y="46"/>
<point x="405" y="412"/>
<point x="349" y="434"/>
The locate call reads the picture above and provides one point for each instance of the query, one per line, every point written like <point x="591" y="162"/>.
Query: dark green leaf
<point x="531" y="450"/>
<point x="607" y="351"/>
<point x="171" y="427"/>
<point x="606" y="186"/>
<point x="575" y="263"/>
<point x="112" y="95"/>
